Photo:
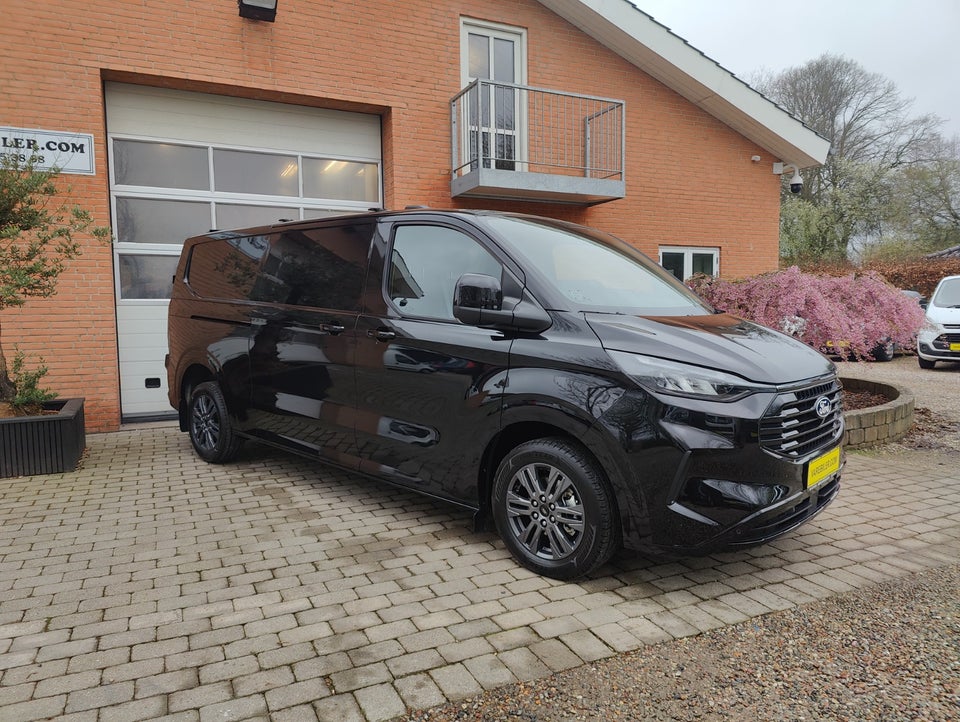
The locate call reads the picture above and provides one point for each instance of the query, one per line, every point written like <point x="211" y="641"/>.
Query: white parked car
<point x="939" y="338"/>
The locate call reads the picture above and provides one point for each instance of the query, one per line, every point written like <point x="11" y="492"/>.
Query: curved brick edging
<point x="878" y="424"/>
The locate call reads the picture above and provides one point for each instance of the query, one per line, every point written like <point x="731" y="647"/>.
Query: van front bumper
<point x="712" y="482"/>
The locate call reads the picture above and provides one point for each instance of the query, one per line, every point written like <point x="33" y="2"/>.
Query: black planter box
<point x="45" y="444"/>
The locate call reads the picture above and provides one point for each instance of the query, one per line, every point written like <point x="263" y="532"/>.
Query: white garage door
<point x="182" y="163"/>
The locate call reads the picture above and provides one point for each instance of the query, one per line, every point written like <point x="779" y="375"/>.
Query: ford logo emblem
<point x="823" y="407"/>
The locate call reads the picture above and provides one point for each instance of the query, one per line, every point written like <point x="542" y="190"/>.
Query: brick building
<point x="173" y="118"/>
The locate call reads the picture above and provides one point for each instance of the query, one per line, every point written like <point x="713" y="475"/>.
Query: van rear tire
<point x="211" y="431"/>
<point x="554" y="509"/>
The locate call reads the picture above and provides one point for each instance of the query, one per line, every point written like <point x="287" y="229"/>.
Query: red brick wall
<point x="398" y="59"/>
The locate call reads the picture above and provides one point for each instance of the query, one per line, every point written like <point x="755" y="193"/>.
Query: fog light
<point x="724" y="493"/>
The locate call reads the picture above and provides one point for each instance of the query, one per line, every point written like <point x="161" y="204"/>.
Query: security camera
<point x="796" y="183"/>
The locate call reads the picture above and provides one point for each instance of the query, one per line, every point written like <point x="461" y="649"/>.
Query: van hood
<point x="943" y="315"/>
<point x="718" y="341"/>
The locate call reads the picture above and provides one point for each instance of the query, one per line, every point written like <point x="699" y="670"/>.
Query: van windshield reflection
<point x="595" y="271"/>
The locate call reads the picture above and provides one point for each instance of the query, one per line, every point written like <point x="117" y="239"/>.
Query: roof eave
<point x="653" y="48"/>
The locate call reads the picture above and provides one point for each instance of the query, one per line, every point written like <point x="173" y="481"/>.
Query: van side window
<point x="426" y="262"/>
<point x="319" y="267"/>
<point x="227" y="267"/>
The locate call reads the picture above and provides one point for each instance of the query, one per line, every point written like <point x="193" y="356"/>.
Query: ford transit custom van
<point x="547" y="376"/>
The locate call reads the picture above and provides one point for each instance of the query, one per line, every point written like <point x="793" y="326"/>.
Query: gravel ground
<point x="823" y="661"/>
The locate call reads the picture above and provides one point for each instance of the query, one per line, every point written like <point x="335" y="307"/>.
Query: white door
<point x="183" y="163"/>
<point x="495" y="53"/>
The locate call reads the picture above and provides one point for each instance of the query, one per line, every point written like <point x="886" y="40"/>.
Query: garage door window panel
<point x="152" y="220"/>
<point x="341" y="179"/>
<point x="146" y="276"/>
<point x="160" y="165"/>
<point x="263" y="174"/>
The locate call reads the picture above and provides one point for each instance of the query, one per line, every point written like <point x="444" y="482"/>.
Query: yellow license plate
<point x="955" y="347"/>
<point x="822" y="467"/>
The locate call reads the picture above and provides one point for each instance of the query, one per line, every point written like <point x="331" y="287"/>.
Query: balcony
<point x="513" y="142"/>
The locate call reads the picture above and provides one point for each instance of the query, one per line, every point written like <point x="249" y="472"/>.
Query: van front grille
<point x="792" y="428"/>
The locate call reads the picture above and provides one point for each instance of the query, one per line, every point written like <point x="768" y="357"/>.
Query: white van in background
<point x="939" y="338"/>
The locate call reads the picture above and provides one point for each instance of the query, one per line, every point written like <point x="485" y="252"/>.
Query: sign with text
<point x="68" y="152"/>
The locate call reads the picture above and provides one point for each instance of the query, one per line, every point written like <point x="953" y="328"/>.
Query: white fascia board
<point x="652" y="47"/>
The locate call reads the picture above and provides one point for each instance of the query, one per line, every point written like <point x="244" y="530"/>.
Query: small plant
<point x="851" y="314"/>
<point x="28" y="397"/>
<point x="37" y="240"/>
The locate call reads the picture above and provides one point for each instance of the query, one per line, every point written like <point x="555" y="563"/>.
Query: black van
<point x="543" y="374"/>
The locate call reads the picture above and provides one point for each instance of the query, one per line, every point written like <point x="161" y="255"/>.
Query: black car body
<point x="540" y="373"/>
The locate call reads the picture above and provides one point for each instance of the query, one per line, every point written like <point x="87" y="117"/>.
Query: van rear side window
<point x="319" y="267"/>
<point x="227" y="268"/>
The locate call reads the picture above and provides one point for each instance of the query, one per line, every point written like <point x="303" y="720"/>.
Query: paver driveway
<point x="149" y="583"/>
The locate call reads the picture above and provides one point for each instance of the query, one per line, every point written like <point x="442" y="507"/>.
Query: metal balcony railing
<point x="514" y="141"/>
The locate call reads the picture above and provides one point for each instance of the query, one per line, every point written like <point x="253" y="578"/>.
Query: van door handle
<point x="333" y="328"/>
<point x="382" y="334"/>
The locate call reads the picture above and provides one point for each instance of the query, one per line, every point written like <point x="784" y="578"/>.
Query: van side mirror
<point x="478" y="301"/>
<point x="476" y="291"/>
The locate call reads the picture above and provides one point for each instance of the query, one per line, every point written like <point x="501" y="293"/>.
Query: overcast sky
<point x="914" y="43"/>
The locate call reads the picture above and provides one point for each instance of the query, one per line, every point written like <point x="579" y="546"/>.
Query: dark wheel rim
<point x="205" y="424"/>
<point x="545" y="511"/>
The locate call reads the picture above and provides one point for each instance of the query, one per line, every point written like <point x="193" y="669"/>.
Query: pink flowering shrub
<point x="854" y="313"/>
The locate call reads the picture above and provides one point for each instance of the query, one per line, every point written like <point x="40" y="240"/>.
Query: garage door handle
<point x="333" y="328"/>
<point x="382" y="334"/>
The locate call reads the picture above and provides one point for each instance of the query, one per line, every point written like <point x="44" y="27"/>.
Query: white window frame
<point x="688" y="252"/>
<point x="518" y="36"/>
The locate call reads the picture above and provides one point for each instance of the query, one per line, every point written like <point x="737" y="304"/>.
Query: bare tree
<point x="872" y="138"/>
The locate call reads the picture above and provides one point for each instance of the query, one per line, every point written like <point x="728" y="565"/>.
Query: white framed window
<point x="684" y="261"/>
<point x="497" y="127"/>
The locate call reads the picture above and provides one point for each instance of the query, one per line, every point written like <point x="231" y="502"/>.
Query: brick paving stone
<point x="586" y="645"/>
<point x="44" y="708"/>
<point x="380" y="702"/>
<point x="555" y="654"/>
<point x="339" y="708"/>
<point x="234" y="709"/>
<point x="419" y="691"/>
<point x="203" y="696"/>
<point x="102" y="696"/>
<point x="359" y="677"/>
<point x="296" y="694"/>
<point x="455" y="681"/>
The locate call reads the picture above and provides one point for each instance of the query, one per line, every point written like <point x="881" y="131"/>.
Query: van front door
<point x="429" y="388"/>
<point x="303" y="390"/>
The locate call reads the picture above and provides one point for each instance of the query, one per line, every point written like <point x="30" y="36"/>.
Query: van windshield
<point x="595" y="271"/>
<point x="948" y="294"/>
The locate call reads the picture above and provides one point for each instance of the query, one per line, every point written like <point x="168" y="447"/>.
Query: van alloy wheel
<point x="554" y="510"/>
<point x="211" y="432"/>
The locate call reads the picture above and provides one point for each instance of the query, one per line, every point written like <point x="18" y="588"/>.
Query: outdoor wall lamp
<point x="796" y="183"/>
<point x="258" y="9"/>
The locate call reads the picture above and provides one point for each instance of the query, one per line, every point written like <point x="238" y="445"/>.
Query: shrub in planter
<point x="36" y="241"/>
<point x="854" y="316"/>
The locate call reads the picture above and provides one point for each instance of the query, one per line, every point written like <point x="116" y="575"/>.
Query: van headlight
<point x="677" y="379"/>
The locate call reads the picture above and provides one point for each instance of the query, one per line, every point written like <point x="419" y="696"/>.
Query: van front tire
<point x="211" y="431"/>
<point x="554" y="510"/>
